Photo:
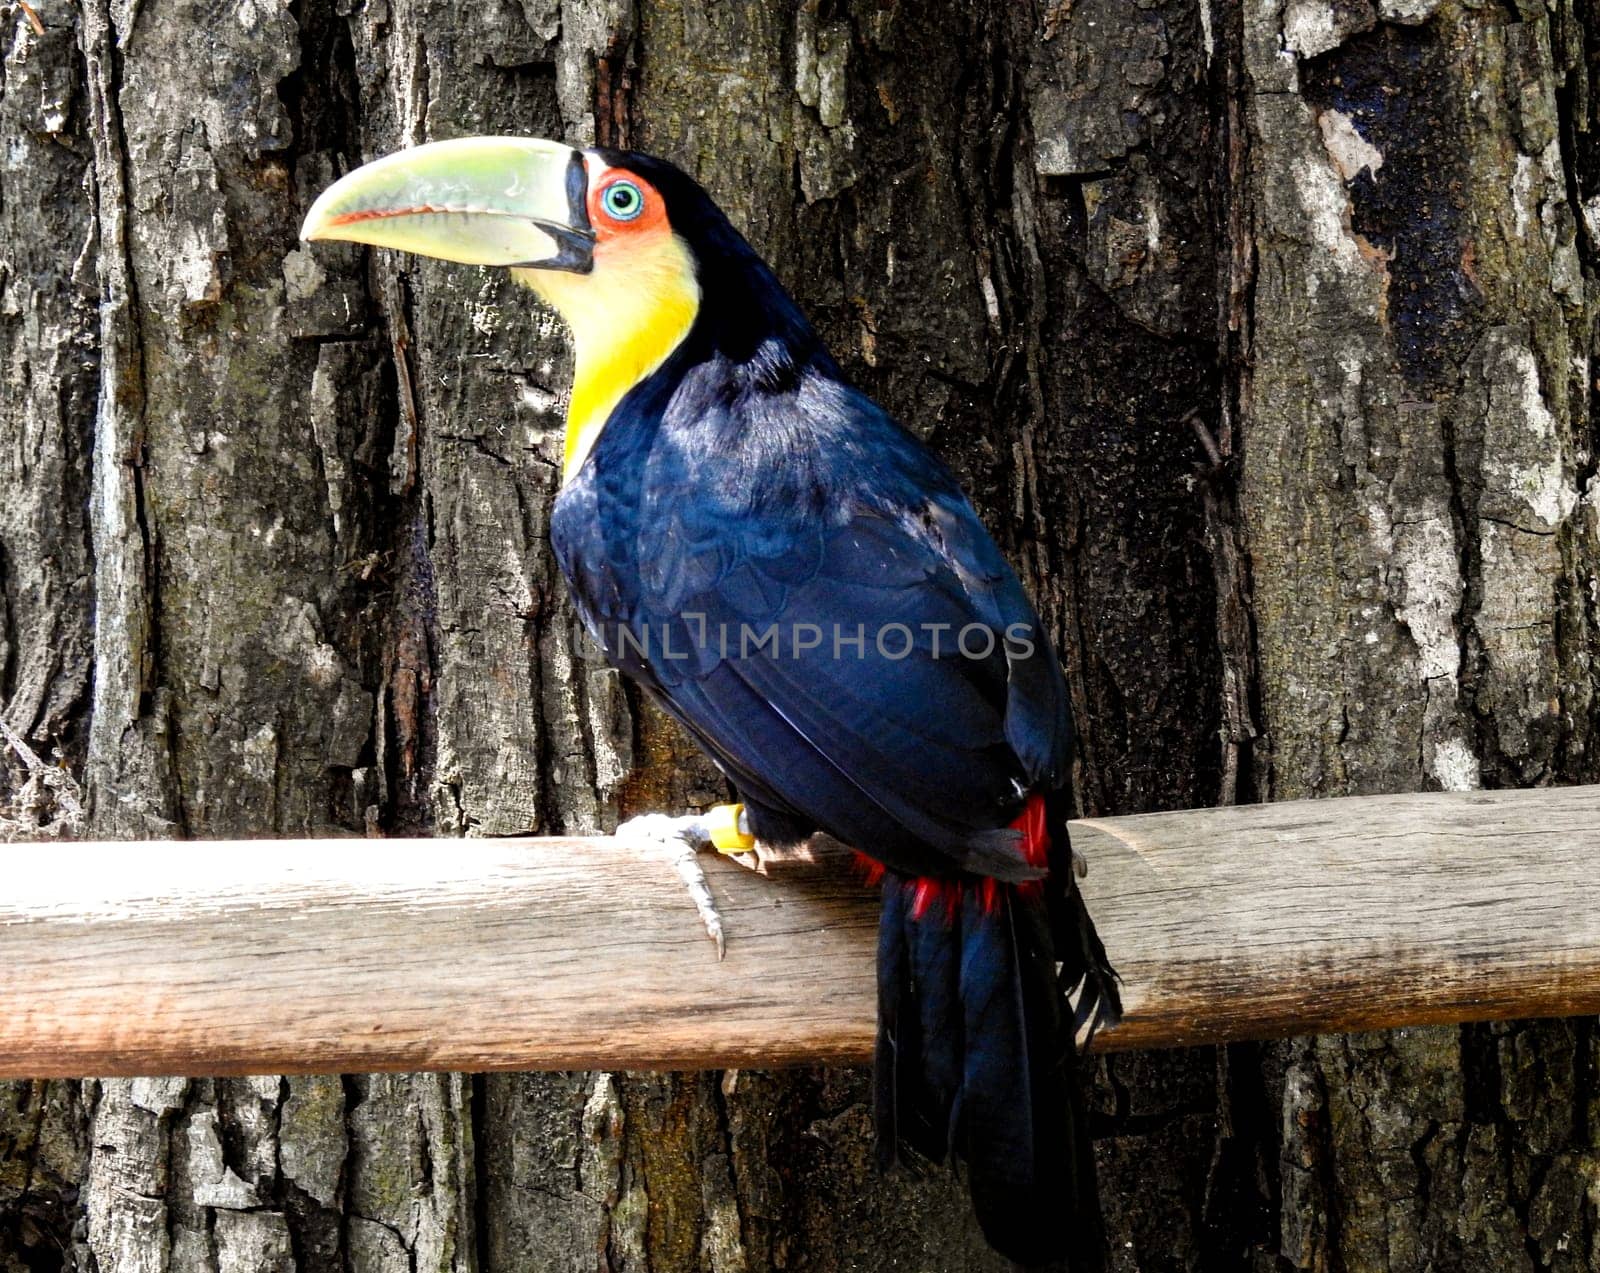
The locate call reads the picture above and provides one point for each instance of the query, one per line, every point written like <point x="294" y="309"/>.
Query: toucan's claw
<point x="681" y="840"/>
<point x="751" y="861"/>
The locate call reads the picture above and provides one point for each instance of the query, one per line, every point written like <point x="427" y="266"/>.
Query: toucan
<point x="802" y="584"/>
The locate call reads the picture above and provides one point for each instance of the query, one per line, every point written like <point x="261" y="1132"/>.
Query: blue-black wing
<point x="805" y="586"/>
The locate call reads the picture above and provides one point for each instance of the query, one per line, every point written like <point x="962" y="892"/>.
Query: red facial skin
<point x="610" y="233"/>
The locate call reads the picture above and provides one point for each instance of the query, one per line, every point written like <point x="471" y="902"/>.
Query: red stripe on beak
<point x="375" y="214"/>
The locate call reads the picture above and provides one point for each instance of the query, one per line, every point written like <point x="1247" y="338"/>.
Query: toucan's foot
<point x="1080" y="864"/>
<point x="682" y="840"/>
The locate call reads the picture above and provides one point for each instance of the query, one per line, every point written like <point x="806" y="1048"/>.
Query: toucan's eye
<point x="623" y="201"/>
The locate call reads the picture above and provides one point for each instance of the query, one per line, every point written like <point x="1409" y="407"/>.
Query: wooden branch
<point x="351" y="955"/>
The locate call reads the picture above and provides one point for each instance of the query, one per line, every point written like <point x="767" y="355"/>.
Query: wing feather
<point x="895" y="711"/>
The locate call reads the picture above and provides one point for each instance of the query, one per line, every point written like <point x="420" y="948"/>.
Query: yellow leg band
<point x="730" y="829"/>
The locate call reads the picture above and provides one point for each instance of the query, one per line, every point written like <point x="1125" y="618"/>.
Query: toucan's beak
<point x="478" y="200"/>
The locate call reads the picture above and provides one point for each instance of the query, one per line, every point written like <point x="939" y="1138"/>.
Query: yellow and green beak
<point x="477" y="200"/>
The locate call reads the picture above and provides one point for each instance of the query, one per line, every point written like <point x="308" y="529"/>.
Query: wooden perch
<point x="353" y="955"/>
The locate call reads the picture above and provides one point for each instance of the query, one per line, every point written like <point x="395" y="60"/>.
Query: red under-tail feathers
<point x="927" y="891"/>
<point x="975" y="1056"/>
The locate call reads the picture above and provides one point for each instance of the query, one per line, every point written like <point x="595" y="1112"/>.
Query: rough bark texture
<point x="1419" y="497"/>
<point x="1262" y="334"/>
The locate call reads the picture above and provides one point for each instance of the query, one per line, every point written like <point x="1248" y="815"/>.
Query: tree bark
<point x="1419" y="499"/>
<point x="1261" y="334"/>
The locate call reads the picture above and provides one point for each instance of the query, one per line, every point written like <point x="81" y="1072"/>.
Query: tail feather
<point x="1085" y="969"/>
<point x="936" y="972"/>
<point x="975" y="1053"/>
<point x="899" y="1040"/>
<point x="918" y="1070"/>
<point x="1007" y="1028"/>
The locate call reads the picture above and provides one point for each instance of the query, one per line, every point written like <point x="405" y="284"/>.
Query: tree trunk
<point x="1261" y="334"/>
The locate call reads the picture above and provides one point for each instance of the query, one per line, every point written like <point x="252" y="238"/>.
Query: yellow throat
<point x="626" y="315"/>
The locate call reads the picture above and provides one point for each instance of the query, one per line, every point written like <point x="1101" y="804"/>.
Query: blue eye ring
<point x="623" y="201"/>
